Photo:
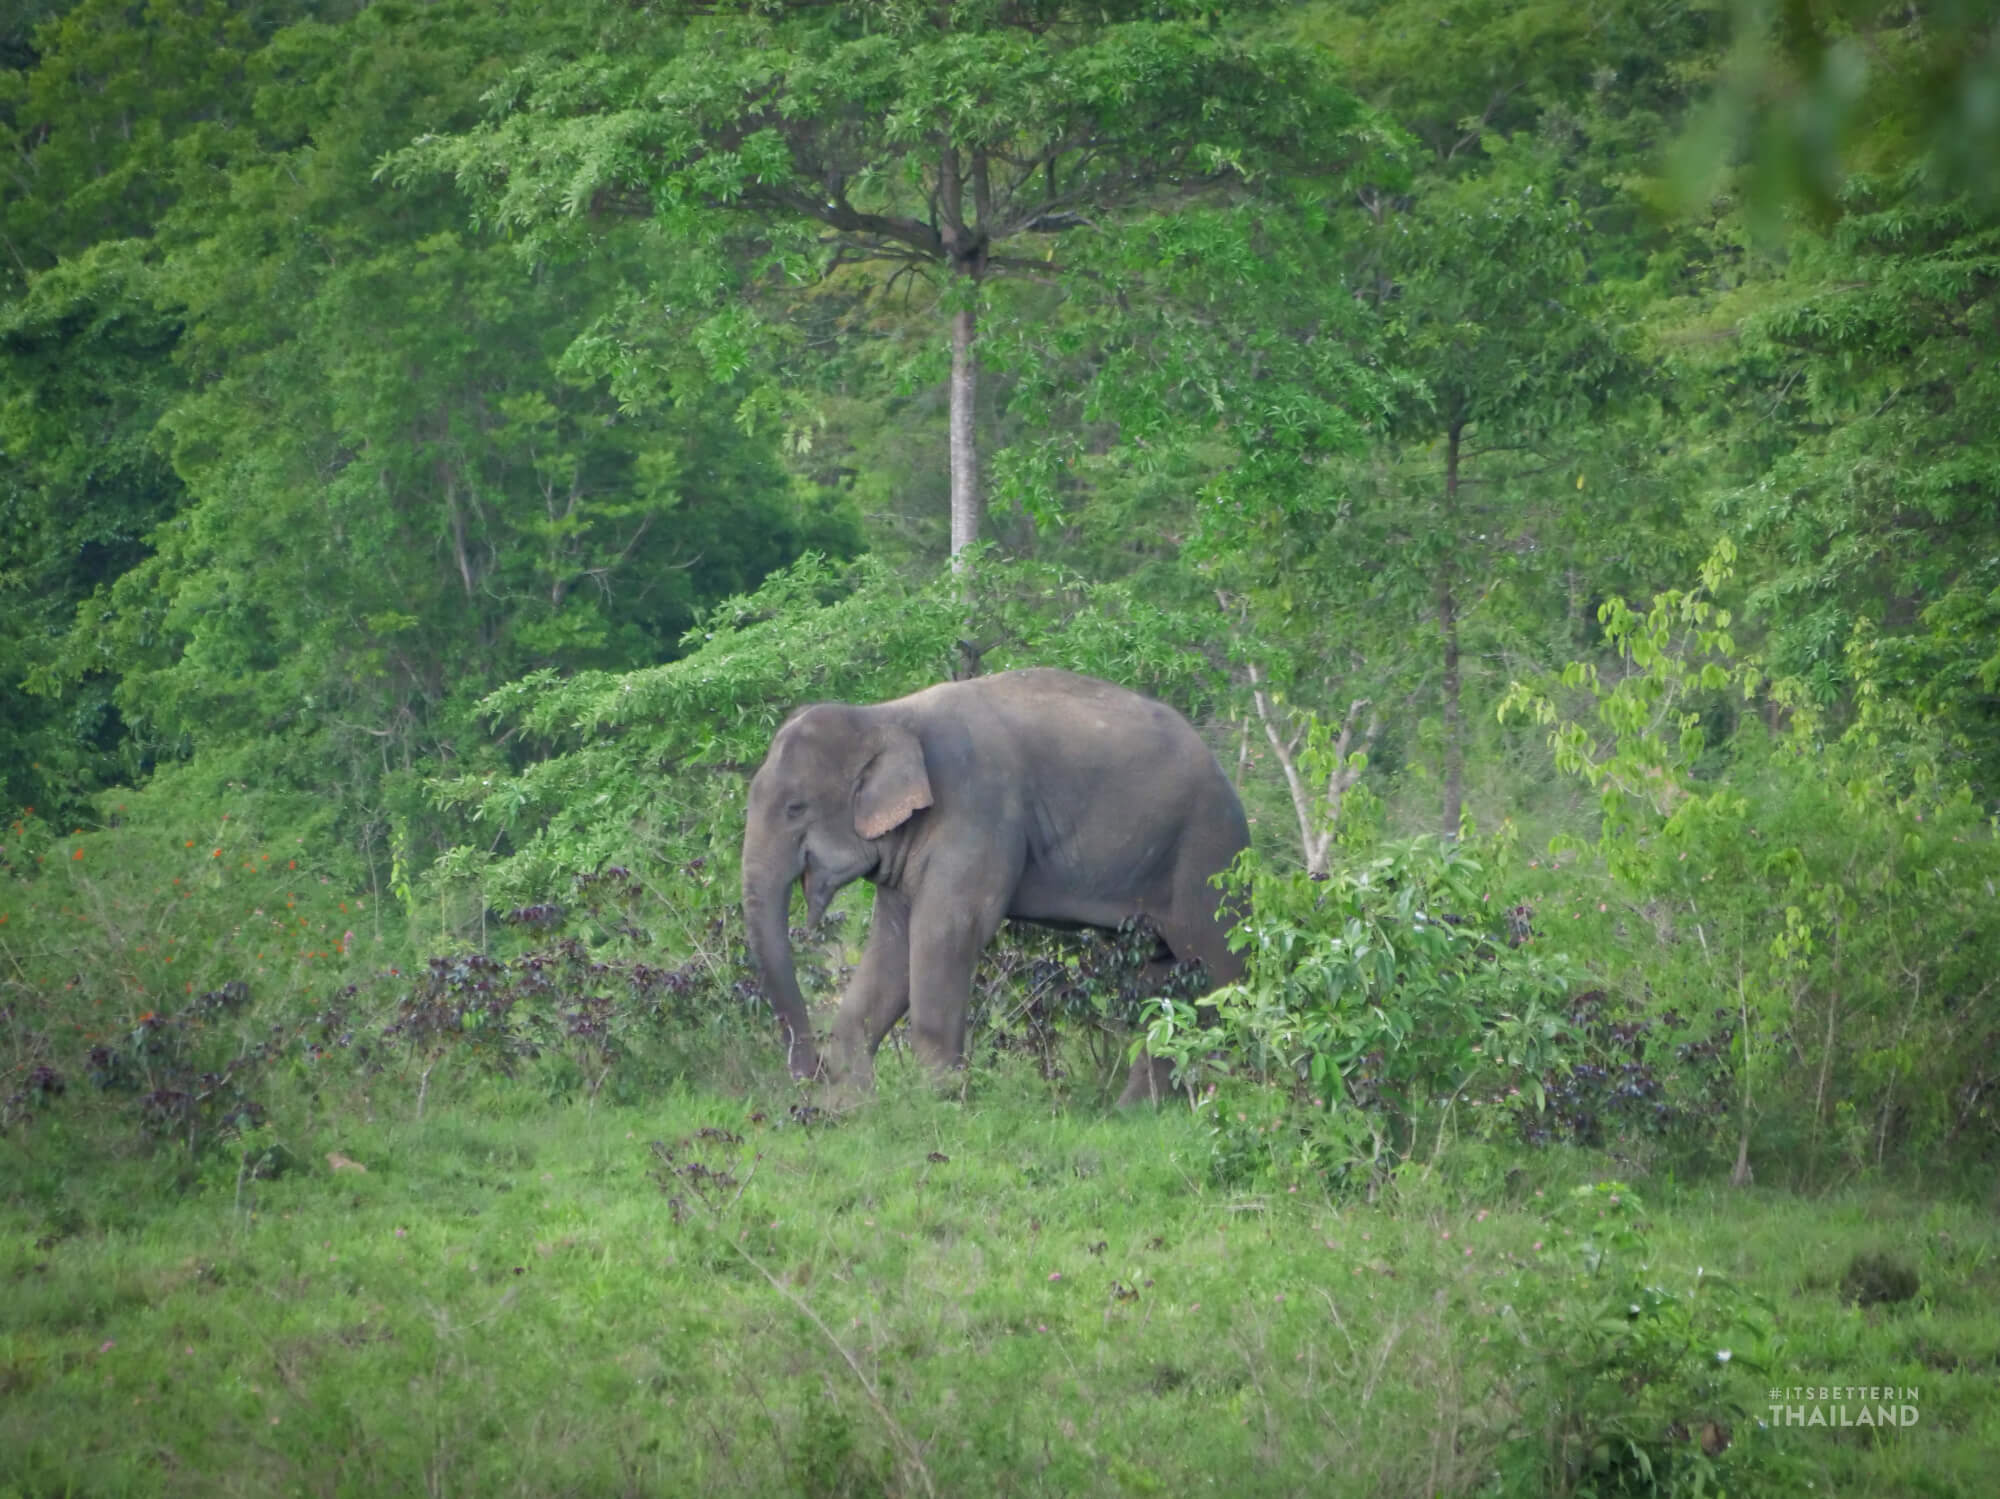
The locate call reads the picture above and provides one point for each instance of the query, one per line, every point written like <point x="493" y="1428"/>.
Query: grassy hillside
<point x="984" y="1293"/>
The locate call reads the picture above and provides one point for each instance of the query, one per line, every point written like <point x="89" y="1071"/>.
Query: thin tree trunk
<point x="458" y="545"/>
<point x="1315" y="833"/>
<point x="965" y="253"/>
<point x="965" y="500"/>
<point x="1447" y="607"/>
<point x="1742" y="1175"/>
<point x="1315" y="848"/>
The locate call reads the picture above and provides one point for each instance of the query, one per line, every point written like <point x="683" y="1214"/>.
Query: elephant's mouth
<point x="821" y="884"/>
<point x="818" y="891"/>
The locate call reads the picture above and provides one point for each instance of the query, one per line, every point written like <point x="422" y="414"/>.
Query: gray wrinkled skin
<point x="1038" y="795"/>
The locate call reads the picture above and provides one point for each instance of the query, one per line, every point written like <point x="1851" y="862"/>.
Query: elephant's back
<point x="1081" y="729"/>
<point x="1038" y="690"/>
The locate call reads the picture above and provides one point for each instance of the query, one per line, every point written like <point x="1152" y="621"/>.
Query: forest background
<point x="1550" y="450"/>
<point x="438" y="443"/>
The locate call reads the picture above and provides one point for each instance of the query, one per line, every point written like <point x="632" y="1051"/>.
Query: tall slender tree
<point x="959" y="142"/>
<point x="1486" y="292"/>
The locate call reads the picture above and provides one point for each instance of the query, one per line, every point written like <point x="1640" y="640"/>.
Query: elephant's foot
<point x="849" y="1071"/>
<point x="938" y="1049"/>
<point x="1151" y="1081"/>
<point x="841" y="1098"/>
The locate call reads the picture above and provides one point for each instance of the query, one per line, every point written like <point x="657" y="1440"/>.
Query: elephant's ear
<point x="892" y="785"/>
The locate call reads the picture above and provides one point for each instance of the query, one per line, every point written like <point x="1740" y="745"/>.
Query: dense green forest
<point x="441" y="441"/>
<point x="1550" y="448"/>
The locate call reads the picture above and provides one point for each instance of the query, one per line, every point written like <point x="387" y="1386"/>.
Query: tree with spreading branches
<point x="956" y="142"/>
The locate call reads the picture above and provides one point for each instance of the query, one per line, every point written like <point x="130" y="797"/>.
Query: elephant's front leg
<point x="950" y="925"/>
<point x="877" y="995"/>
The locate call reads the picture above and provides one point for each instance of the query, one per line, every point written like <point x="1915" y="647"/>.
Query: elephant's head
<point x="836" y="780"/>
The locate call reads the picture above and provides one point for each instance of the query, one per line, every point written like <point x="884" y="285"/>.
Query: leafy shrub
<point x="1878" y="1279"/>
<point x="1832" y="889"/>
<point x="576" y="1003"/>
<point x="1051" y="994"/>
<point x="1400" y="990"/>
<point x="139" y="961"/>
<point x="1632" y="1379"/>
<point x="1633" y="1072"/>
<point x="192" y="1077"/>
<point x="164" y="987"/>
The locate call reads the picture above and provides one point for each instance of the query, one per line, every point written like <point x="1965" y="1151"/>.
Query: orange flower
<point x="216" y="855"/>
<point x="291" y="863"/>
<point x="188" y="844"/>
<point x="77" y="855"/>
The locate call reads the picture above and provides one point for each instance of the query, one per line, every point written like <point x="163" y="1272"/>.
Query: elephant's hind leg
<point x="1151" y="1078"/>
<point x="1196" y="927"/>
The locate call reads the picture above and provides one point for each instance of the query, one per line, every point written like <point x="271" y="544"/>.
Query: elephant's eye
<point x="795" y="809"/>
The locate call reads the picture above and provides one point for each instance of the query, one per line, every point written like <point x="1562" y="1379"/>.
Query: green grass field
<point x="985" y="1294"/>
<point x="977" y="1294"/>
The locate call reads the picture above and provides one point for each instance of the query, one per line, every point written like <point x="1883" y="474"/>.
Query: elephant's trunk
<point x="767" y="899"/>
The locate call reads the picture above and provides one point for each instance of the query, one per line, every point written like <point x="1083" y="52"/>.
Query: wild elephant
<point x="1036" y="794"/>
